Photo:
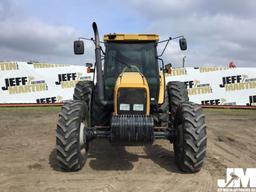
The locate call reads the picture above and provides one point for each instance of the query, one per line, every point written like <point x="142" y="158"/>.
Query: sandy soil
<point x="27" y="157"/>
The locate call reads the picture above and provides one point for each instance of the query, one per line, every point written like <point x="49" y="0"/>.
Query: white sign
<point x="21" y="82"/>
<point x="39" y="82"/>
<point x="218" y="85"/>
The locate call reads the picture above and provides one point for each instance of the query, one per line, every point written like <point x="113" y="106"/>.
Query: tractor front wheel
<point x="191" y="139"/>
<point x="71" y="141"/>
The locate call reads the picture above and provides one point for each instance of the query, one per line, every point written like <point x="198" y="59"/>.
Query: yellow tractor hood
<point x="129" y="78"/>
<point x="132" y="80"/>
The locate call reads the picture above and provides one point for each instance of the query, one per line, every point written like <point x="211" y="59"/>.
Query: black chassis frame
<point x="104" y="132"/>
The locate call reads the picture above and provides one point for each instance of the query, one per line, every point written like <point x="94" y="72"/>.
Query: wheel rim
<point x="82" y="138"/>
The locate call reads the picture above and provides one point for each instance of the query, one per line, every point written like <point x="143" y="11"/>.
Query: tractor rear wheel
<point x="191" y="138"/>
<point x="177" y="93"/>
<point x="71" y="142"/>
<point x="100" y="115"/>
<point x="83" y="90"/>
<point x="163" y="112"/>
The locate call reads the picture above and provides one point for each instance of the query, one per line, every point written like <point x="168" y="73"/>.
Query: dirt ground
<point x="27" y="156"/>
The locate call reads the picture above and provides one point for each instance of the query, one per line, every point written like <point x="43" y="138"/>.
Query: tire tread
<point x="190" y="151"/>
<point x="67" y="136"/>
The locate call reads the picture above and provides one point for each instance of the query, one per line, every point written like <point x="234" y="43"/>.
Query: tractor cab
<point x="131" y="53"/>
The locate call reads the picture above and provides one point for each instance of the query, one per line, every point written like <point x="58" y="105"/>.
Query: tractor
<point x="129" y="103"/>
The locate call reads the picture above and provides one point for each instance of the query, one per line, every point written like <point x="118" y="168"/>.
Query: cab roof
<point x="131" y="37"/>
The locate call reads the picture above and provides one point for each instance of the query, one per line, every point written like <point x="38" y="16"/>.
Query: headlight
<point x="138" y="107"/>
<point x="124" y="107"/>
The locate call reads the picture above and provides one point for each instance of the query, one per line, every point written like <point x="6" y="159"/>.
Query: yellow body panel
<point x="161" y="89"/>
<point x="132" y="37"/>
<point x="131" y="80"/>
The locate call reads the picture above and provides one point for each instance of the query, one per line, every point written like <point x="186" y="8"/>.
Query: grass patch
<point x="235" y="112"/>
<point x="46" y="108"/>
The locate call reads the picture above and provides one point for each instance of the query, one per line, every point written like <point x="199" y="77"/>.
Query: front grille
<point x="131" y="97"/>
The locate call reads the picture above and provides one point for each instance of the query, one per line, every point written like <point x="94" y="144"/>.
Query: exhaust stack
<point x="100" y="85"/>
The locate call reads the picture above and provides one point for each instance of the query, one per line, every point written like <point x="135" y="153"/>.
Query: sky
<point x="217" y="31"/>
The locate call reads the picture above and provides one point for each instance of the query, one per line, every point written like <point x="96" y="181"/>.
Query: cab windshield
<point x="134" y="57"/>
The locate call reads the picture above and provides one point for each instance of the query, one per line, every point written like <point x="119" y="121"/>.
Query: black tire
<point x="163" y="115"/>
<point x="177" y="93"/>
<point x="100" y="115"/>
<point x="191" y="138"/>
<point x="83" y="91"/>
<point x="71" y="143"/>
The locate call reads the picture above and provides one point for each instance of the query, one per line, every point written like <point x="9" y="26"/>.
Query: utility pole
<point x="183" y="61"/>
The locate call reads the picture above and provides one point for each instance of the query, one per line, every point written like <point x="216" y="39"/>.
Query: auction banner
<point x="21" y="82"/>
<point x="218" y="85"/>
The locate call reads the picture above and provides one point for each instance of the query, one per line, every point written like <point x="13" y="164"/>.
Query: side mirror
<point x="183" y="44"/>
<point x="78" y="47"/>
